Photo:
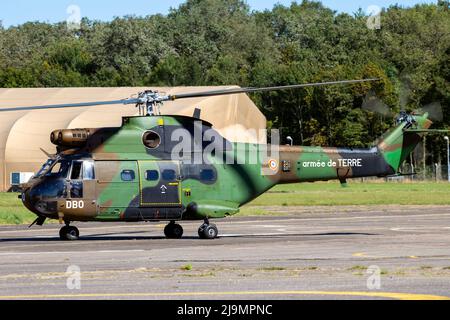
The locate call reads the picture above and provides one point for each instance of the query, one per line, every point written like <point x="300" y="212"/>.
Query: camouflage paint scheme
<point x="186" y="194"/>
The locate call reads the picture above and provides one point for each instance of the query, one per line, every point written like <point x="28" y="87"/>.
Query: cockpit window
<point x="88" y="170"/>
<point x="79" y="170"/>
<point x="60" y="169"/>
<point x="46" y="167"/>
<point x="76" y="170"/>
<point x="54" y="167"/>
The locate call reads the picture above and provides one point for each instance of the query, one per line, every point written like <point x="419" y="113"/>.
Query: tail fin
<point x="399" y="143"/>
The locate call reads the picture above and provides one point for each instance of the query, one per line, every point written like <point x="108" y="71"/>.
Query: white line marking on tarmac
<point x="67" y="252"/>
<point x="368" y="218"/>
<point x="254" y="235"/>
<point x="418" y="229"/>
<point x="271" y="226"/>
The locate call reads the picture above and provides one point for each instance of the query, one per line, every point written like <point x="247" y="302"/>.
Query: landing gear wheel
<point x="173" y="231"/>
<point x="69" y="233"/>
<point x="208" y="231"/>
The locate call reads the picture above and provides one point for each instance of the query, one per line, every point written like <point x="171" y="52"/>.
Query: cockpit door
<point x="81" y="189"/>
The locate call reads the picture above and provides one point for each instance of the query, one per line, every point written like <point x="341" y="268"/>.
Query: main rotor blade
<point x="73" y="105"/>
<point x="250" y="90"/>
<point x="152" y="97"/>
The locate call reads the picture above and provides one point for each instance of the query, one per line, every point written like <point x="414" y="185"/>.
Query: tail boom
<point x="324" y="164"/>
<point x="309" y="164"/>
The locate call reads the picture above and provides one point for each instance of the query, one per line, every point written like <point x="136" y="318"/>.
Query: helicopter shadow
<point x="92" y="237"/>
<point x="131" y="237"/>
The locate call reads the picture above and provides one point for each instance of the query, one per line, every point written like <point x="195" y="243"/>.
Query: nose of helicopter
<point x="39" y="200"/>
<point x="27" y="196"/>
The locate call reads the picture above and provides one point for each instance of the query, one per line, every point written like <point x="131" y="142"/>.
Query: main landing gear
<point x="208" y="231"/>
<point x="173" y="231"/>
<point x="69" y="233"/>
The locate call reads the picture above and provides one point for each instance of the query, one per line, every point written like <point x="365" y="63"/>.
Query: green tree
<point x="223" y="42"/>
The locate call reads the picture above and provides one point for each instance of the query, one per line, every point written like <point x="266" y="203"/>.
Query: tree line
<point x="222" y="42"/>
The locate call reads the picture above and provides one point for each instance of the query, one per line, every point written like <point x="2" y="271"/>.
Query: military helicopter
<point x="139" y="172"/>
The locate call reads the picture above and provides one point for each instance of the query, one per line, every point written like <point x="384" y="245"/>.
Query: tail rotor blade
<point x="373" y="104"/>
<point x="405" y="90"/>
<point x="434" y="111"/>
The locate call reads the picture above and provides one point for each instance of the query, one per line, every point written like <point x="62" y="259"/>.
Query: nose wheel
<point x="173" y="231"/>
<point x="208" y="231"/>
<point x="69" y="233"/>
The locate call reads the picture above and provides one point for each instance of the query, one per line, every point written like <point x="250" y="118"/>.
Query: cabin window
<point x="207" y="175"/>
<point x="152" y="175"/>
<point x="169" y="175"/>
<point x="76" y="170"/>
<point x="151" y="139"/>
<point x="128" y="175"/>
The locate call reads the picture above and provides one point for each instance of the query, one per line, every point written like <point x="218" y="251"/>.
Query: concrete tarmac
<point x="302" y="253"/>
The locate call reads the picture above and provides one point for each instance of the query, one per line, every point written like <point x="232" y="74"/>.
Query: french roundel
<point x="273" y="165"/>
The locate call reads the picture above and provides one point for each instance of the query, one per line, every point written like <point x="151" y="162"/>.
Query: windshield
<point x="54" y="167"/>
<point x="46" y="168"/>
